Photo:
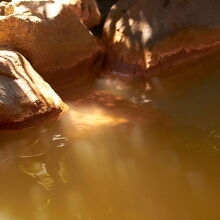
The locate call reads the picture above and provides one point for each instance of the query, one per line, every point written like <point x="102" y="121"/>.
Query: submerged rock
<point x="25" y="98"/>
<point x="87" y="10"/>
<point x="144" y="36"/>
<point x="100" y="110"/>
<point x="48" y="34"/>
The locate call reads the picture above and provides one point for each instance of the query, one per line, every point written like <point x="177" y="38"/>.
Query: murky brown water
<point x="157" y="158"/>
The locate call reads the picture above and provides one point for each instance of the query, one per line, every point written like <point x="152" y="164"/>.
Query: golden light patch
<point x="95" y="117"/>
<point x="85" y="121"/>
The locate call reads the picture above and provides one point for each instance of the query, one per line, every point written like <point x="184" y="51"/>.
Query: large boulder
<point x="49" y="34"/>
<point x="144" y="36"/>
<point x="25" y="98"/>
<point x="87" y="10"/>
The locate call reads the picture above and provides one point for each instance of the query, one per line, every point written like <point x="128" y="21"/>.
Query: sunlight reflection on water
<point x="112" y="159"/>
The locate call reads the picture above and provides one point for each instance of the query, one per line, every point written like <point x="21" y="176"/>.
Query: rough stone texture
<point x="48" y="34"/>
<point x="87" y="10"/>
<point x="25" y="98"/>
<point x="3" y="5"/>
<point x="144" y="35"/>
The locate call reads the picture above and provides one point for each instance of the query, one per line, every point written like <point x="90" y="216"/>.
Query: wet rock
<point x="49" y="35"/>
<point x="87" y="10"/>
<point x="145" y="36"/>
<point x="25" y="98"/>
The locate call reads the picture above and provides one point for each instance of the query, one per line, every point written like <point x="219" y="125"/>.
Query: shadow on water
<point x="113" y="158"/>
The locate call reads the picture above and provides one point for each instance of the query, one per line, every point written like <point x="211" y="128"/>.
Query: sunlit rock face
<point x="87" y="10"/>
<point x="25" y="98"/>
<point x="143" y="35"/>
<point x="3" y="5"/>
<point x="49" y="34"/>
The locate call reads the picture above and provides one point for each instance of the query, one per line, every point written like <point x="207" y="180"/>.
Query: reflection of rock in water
<point x="110" y="166"/>
<point x="41" y="152"/>
<point x="31" y="149"/>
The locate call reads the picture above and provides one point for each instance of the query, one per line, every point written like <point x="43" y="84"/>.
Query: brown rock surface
<point x="87" y="10"/>
<point x="3" y="5"/>
<point x="25" y="99"/>
<point x="48" y="34"/>
<point x="143" y="35"/>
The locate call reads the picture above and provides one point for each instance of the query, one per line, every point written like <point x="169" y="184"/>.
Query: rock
<point x="48" y="34"/>
<point x="25" y="98"/>
<point x="3" y="5"/>
<point x="87" y="10"/>
<point x="145" y="36"/>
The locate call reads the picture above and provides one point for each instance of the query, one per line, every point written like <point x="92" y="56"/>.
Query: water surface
<point x="121" y="155"/>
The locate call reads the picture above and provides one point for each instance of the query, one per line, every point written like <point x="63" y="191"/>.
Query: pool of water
<point x="120" y="155"/>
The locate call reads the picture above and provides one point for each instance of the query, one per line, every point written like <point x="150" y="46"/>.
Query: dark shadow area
<point x="104" y="7"/>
